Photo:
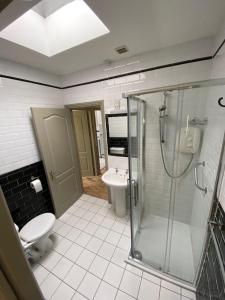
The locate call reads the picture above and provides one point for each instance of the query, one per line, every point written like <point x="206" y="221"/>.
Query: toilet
<point x="34" y="236"/>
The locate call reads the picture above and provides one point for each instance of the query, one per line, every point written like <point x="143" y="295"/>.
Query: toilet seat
<point x="37" y="227"/>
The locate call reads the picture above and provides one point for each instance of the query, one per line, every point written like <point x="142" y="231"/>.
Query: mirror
<point x="116" y="125"/>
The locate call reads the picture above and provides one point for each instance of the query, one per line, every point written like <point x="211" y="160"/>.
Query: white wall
<point x="18" y="146"/>
<point x="111" y="91"/>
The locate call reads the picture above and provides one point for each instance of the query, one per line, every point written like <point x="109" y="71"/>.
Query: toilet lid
<point x="37" y="227"/>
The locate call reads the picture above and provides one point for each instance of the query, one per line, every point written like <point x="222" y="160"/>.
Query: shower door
<point x="136" y="162"/>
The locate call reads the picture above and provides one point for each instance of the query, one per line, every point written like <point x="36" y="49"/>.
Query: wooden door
<point x="83" y="139"/>
<point x="56" y="143"/>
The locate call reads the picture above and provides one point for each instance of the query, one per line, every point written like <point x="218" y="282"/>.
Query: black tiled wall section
<point x="211" y="285"/>
<point x="24" y="204"/>
<point x="118" y="142"/>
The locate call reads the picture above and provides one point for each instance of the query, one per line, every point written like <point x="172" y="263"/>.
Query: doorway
<point x="89" y="129"/>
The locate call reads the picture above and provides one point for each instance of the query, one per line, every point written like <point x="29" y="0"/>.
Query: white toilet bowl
<point x="35" y="234"/>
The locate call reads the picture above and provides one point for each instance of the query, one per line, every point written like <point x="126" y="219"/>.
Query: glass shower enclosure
<point x="172" y="133"/>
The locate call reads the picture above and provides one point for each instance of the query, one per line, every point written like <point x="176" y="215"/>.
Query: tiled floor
<point x="90" y="246"/>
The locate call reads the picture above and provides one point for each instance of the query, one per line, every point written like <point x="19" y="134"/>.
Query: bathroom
<point x="157" y="82"/>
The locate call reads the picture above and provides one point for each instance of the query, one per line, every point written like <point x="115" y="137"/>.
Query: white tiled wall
<point x="111" y="91"/>
<point x="211" y="147"/>
<point x="18" y="146"/>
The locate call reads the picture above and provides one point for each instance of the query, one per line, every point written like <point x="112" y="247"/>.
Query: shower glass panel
<point x="170" y="167"/>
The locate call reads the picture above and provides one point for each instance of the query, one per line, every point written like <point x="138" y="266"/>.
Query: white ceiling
<point x="66" y="27"/>
<point x="141" y="25"/>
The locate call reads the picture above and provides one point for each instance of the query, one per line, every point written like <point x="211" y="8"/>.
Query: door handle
<point x="52" y="175"/>
<point x="203" y="189"/>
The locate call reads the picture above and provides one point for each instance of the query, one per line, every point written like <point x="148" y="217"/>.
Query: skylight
<point x="71" y="25"/>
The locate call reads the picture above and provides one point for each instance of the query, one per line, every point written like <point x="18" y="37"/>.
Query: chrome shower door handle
<point x="133" y="190"/>
<point x="203" y="189"/>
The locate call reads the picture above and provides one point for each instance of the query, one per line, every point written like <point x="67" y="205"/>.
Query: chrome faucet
<point x="117" y="170"/>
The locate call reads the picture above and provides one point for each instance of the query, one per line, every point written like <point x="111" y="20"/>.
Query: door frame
<point x="99" y="105"/>
<point x="92" y="104"/>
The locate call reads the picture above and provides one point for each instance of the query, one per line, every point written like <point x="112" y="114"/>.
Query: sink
<point x="116" y="179"/>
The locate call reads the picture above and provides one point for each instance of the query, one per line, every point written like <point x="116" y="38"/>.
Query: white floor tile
<point x="94" y="244"/>
<point x="73" y="252"/>
<point x="113" y="238"/>
<point x="101" y="233"/>
<point x="126" y="231"/>
<point x="40" y="273"/>
<point x="79" y="212"/>
<point x="65" y="217"/>
<point x="134" y="270"/>
<point x="91" y="228"/>
<point x="50" y="260"/>
<point x="73" y="234"/>
<point x="81" y="224"/>
<point x="78" y="296"/>
<point x="75" y="276"/>
<point x="91" y="199"/>
<point x="188" y="294"/>
<point x="49" y="285"/>
<point x="105" y="291"/>
<point x="124" y="243"/>
<point x="88" y="215"/>
<point x="118" y="227"/>
<point x="85" y="259"/>
<point x="100" y="201"/>
<point x="83" y="239"/>
<point x="72" y="220"/>
<point x="148" y="290"/>
<point x="97" y="219"/>
<point x="62" y="267"/>
<point x="57" y="224"/>
<point x="168" y="295"/>
<point x="123" y="296"/>
<point x="107" y="223"/>
<point x="64" y="229"/>
<point x="103" y="211"/>
<point x="106" y="250"/>
<point x="171" y="286"/>
<point x="94" y="208"/>
<point x="130" y="284"/>
<point x="63" y="292"/>
<point x="63" y="246"/>
<point x="119" y="257"/>
<point x="113" y="275"/>
<point x="89" y="286"/>
<point x="151" y="278"/>
<point x="99" y="266"/>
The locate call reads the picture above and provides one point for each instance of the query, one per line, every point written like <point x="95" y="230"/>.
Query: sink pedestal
<point x="116" y="179"/>
<point x="118" y="197"/>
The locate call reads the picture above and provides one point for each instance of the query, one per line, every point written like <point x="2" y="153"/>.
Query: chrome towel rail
<point x="203" y="189"/>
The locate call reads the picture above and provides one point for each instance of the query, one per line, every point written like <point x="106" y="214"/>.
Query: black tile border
<point x="189" y="61"/>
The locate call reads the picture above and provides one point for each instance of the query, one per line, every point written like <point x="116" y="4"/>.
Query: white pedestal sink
<point x="116" y="179"/>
